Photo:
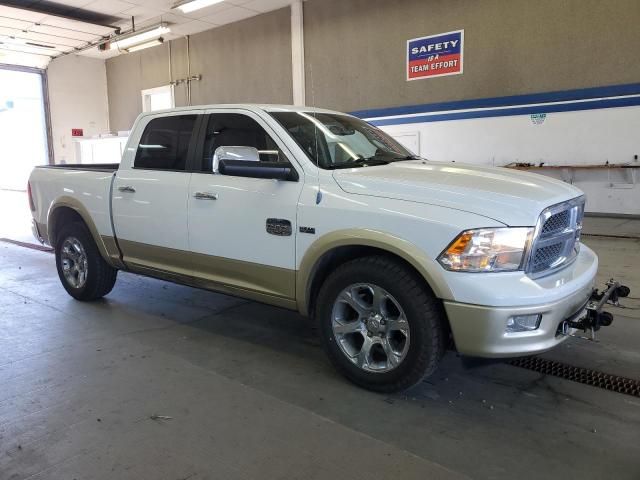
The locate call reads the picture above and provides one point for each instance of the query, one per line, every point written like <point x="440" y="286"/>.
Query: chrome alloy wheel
<point x="370" y="327"/>
<point x="74" y="262"/>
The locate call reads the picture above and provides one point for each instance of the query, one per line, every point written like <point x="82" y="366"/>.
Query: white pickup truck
<point x="395" y="257"/>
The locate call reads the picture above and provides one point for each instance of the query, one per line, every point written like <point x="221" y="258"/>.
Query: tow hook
<point x="592" y="318"/>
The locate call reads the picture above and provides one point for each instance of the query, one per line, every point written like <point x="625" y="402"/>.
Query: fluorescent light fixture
<point x="25" y="48"/>
<point x="142" y="46"/>
<point x="140" y="37"/>
<point x="192" y="5"/>
<point x="14" y="40"/>
<point x="24" y="45"/>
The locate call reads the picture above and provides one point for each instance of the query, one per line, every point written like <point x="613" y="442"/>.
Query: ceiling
<point x="32" y="32"/>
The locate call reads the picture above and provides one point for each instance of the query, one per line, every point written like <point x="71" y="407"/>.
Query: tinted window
<point x="237" y="130"/>
<point x="165" y="143"/>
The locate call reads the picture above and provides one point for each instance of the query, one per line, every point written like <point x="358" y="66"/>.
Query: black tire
<point x="423" y="311"/>
<point x="100" y="276"/>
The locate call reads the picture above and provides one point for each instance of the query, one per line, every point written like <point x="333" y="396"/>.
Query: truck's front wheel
<point x="380" y="324"/>
<point x="82" y="270"/>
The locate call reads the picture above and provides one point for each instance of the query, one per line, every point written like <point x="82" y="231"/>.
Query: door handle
<point x="127" y="189"/>
<point x="205" y="196"/>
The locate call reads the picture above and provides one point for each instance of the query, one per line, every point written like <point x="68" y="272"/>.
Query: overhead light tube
<point x="142" y="46"/>
<point x="140" y="37"/>
<point x="192" y="5"/>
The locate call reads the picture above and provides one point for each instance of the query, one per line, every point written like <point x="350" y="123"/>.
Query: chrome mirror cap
<point x="246" y="154"/>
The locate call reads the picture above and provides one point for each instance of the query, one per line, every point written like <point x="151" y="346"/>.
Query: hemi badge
<point x="310" y="230"/>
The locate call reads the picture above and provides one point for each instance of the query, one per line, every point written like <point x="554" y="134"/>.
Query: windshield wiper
<point x="360" y="162"/>
<point x="408" y="157"/>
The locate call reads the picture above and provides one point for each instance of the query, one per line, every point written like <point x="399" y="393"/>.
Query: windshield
<point x="340" y="141"/>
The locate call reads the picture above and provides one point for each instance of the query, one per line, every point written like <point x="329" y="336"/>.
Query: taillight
<point x="32" y="205"/>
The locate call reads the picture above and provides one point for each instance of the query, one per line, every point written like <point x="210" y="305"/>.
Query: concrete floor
<point x="250" y="393"/>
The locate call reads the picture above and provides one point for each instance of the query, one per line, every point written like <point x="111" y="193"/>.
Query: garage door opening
<point x="23" y="145"/>
<point x="22" y="126"/>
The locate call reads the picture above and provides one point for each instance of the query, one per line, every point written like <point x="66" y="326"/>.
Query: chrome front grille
<point x="557" y="237"/>
<point x="547" y="255"/>
<point x="556" y="223"/>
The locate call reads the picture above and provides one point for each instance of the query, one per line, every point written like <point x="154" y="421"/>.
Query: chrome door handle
<point x="205" y="196"/>
<point x="127" y="189"/>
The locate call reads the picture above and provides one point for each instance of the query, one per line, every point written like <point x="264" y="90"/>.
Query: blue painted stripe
<point x="514" y="100"/>
<point x="507" y="112"/>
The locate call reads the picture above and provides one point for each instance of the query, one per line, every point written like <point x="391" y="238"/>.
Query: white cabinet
<point x="100" y="150"/>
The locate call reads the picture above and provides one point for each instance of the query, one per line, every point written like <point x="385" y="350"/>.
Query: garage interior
<point x="162" y="381"/>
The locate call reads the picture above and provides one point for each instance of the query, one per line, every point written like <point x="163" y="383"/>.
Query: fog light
<point x="523" y="323"/>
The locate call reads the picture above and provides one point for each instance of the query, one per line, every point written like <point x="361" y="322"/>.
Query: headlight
<point x="487" y="250"/>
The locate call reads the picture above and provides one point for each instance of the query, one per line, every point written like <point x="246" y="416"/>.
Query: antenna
<point x="315" y="132"/>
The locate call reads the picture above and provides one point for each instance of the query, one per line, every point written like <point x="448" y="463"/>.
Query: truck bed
<point x="84" y="188"/>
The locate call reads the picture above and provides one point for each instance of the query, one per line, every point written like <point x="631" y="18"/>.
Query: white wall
<point x="588" y="137"/>
<point x="77" y="99"/>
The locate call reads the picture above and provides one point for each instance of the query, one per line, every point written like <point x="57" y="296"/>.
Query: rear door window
<point x="165" y="142"/>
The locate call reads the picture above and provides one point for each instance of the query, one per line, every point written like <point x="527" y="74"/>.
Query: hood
<point x="509" y="196"/>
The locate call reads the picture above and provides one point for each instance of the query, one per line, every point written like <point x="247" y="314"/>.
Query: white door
<point x="150" y="199"/>
<point x="243" y="229"/>
<point x="159" y="98"/>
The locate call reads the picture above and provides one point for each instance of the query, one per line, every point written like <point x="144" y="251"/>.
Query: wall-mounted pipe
<point x="188" y="73"/>
<point x="297" y="52"/>
<point x="170" y="64"/>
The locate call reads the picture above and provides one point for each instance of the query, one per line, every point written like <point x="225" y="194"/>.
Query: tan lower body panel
<point x="156" y="258"/>
<point x="263" y="283"/>
<point x="113" y="252"/>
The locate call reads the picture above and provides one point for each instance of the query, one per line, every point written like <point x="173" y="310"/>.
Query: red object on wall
<point x="77" y="132"/>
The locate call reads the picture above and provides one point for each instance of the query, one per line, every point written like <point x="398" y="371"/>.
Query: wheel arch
<point x="68" y="209"/>
<point x="337" y="247"/>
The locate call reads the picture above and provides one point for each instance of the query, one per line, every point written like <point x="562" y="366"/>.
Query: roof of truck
<point x="248" y="106"/>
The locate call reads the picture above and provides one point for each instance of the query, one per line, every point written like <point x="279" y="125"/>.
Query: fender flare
<point x="106" y="245"/>
<point x="393" y="244"/>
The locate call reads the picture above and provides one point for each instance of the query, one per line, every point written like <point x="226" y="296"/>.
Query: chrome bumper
<point x="481" y="330"/>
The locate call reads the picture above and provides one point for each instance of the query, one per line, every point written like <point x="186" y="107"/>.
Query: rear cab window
<point x="165" y="142"/>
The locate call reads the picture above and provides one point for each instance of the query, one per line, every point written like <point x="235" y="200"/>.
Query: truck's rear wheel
<point x="82" y="270"/>
<point x="380" y="325"/>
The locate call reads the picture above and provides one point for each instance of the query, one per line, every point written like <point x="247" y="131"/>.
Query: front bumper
<point x="480" y="330"/>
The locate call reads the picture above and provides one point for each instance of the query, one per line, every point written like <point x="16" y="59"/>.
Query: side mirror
<point x="243" y="168"/>
<point x="245" y="154"/>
